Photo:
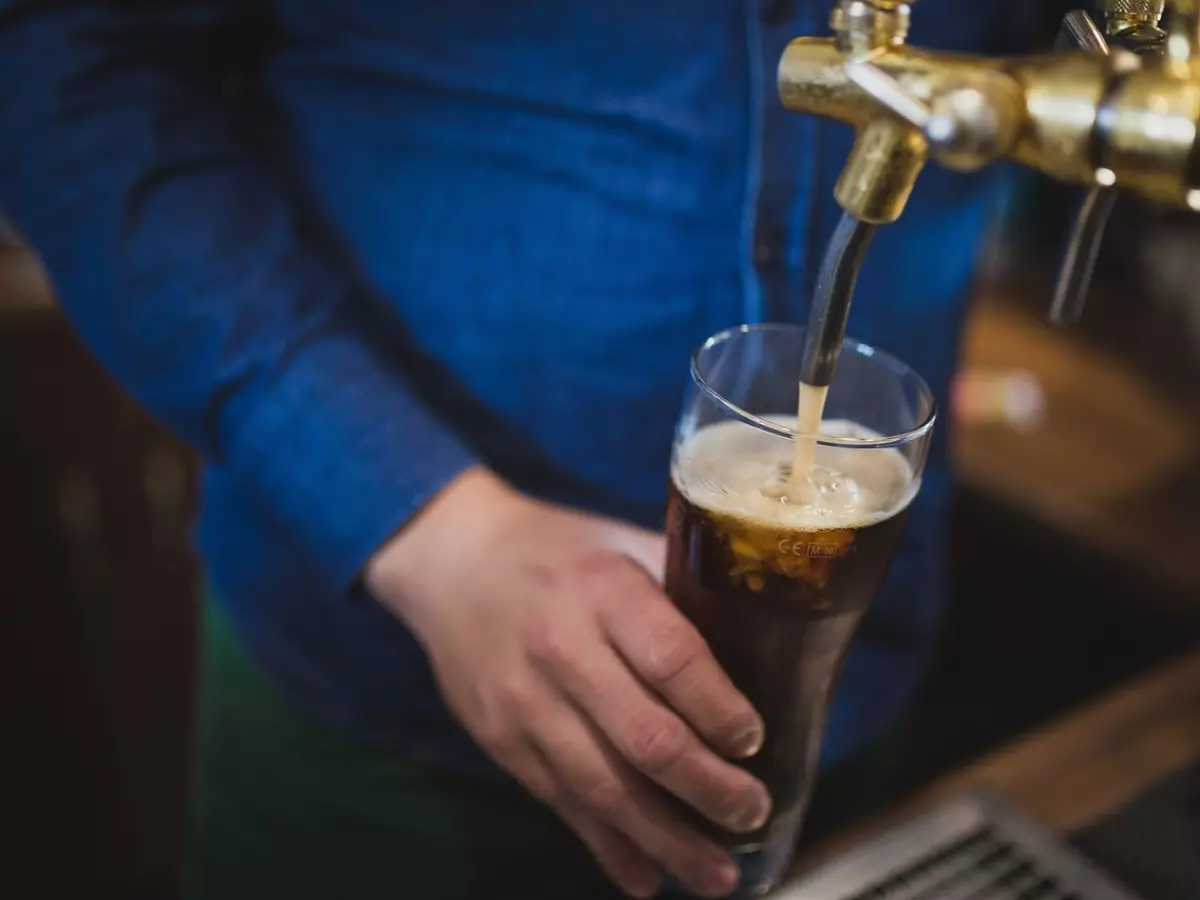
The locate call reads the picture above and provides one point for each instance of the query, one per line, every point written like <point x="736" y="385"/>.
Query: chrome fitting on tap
<point x="1128" y="15"/>
<point x="865" y="25"/>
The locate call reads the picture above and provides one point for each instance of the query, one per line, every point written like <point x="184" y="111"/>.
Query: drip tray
<point x="975" y="847"/>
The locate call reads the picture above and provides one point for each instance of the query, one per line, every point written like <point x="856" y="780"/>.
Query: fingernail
<point x="758" y="813"/>
<point x="750" y="814"/>
<point x="719" y="880"/>
<point x="748" y="742"/>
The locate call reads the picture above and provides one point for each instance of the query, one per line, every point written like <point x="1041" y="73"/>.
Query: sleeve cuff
<point x="343" y="453"/>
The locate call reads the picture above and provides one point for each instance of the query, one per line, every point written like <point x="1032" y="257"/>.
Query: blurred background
<point x="1076" y="542"/>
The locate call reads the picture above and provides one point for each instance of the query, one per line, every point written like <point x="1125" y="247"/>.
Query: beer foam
<point x="736" y="469"/>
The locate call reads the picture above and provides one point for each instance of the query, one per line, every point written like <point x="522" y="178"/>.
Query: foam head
<point x="738" y="470"/>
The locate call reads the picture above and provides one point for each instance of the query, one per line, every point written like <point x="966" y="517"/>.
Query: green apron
<point x="284" y="809"/>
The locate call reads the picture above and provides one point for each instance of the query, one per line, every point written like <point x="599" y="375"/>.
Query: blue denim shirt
<point x="348" y="248"/>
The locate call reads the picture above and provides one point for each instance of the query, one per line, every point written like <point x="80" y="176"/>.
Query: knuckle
<point x="605" y="577"/>
<point x="657" y="742"/>
<point x="518" y="693"/>
<point x="595" y="564"/>
<point x="549" y="646"/>
<point x="672" y="651"/>
<point x="604" y="795"/>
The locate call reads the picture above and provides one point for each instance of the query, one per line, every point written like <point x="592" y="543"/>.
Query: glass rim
<point x="892" y="362"/>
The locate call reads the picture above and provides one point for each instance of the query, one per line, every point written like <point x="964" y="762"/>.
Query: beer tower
<point x="1116" y="107"/>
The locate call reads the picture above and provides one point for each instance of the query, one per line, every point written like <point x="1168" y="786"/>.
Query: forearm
<point x="186" y="264"/>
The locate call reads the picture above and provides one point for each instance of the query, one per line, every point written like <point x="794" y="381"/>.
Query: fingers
<point x="620" y="859"/>
<point x="668" y="653"/>
<point x="651" y="737"/>
<point x="602" y="787"/>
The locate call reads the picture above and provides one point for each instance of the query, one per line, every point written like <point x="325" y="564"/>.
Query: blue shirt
<point x="348" y="248"/>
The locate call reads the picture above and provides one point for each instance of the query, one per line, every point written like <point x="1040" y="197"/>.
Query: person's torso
<point x="552" y="205"/>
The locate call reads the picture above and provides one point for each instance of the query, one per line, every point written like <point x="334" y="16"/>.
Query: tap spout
<point x="831" y="299"/>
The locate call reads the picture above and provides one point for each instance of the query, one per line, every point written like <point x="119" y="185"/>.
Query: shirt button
<point x="763" y="253"/>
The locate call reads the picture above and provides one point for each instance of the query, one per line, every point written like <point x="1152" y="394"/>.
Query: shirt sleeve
<point x="192" y="272"/>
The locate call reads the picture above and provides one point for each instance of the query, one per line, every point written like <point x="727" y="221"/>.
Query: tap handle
<point x="889" y="93"/>
<point x="961" y="124"/>
<point x="1079" y="32"/>
<point x="1074" y="279"/>
<point x="940" y="127"/>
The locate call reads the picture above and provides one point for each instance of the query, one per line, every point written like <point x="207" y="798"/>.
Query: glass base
<point x="763" y="866"/>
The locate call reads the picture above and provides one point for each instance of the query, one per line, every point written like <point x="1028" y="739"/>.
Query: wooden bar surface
<point x="1114" y="464"/>
<point x="1074" y="772"/>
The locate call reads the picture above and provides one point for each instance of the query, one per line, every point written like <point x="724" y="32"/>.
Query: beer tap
<point x="1116" y="109"/>
<point x="1132" y="26"/>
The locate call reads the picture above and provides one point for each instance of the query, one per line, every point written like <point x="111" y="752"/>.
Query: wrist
<point x="462" y="517"/>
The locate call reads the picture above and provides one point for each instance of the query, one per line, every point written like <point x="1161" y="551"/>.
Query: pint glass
<point x="777" y="571"/>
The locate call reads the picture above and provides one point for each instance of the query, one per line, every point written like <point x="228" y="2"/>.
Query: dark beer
<point x="777" y="586"/>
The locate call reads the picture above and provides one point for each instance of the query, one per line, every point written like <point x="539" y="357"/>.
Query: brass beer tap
<point x="1115" y="107"/>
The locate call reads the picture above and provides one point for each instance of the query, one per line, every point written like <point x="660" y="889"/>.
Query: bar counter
<point x="1076" y="771"/>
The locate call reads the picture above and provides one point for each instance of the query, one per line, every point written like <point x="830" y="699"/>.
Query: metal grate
<point x="973" y="848"/>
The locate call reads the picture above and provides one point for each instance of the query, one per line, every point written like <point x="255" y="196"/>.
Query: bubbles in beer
<point x="821" y="492"/>
<point x="778" y="526"/>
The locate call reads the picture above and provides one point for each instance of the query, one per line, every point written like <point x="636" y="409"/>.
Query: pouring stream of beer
<point x="808" y="424"/>
<point x="823" y="339"/>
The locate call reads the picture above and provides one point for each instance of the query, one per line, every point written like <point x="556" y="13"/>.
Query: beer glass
<point x="776" y="569"/>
